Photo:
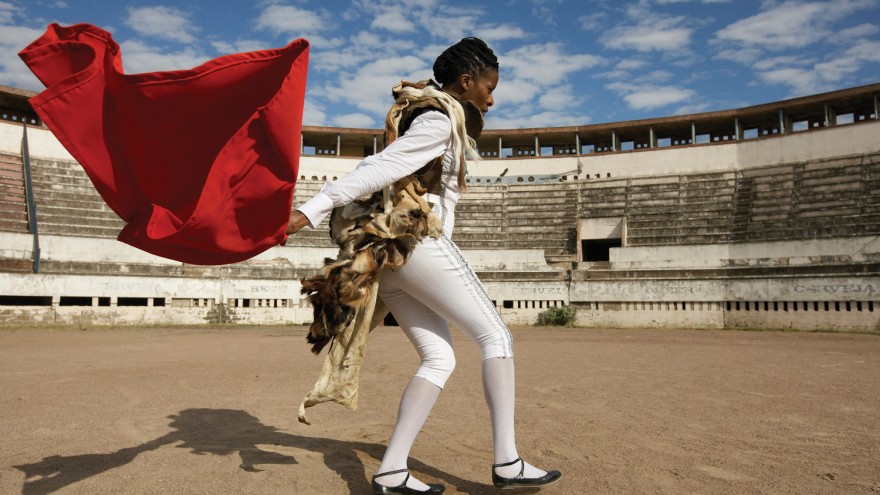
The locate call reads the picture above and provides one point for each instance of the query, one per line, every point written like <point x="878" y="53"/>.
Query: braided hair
<point x="470" y="55"/>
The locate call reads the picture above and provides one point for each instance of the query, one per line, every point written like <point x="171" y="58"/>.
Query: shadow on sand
<point x="224" y="432"/>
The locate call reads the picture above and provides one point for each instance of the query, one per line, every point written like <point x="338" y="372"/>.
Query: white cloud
<point x="594" y="21"/>
<point x="291" y="21"/>
<point x="13" y="72"/>
<point x="631" y="64"/>
<point x="162" y="22"/>
<point x="803" y="76"/>
<point x="361" y="49"/>
<point x="743" y="56"/>
<point x="394" y="21"/>
<point x="354" y="120"/>
<point x="544" y="11"/>
<point x="849" y="62"/>
<point x="775" y="62"/>
<point x="691" y="108"/>
<point x="8" y="11"/>
<point x="613" y="75"/>
<point x="656" y="76"/>
<point x="513" y="92"/>
<point x="560" y="98"/>
<point x="314" y="112"/>
<point x="238" y="46"/>
<point x="790" y="24"/>
<point x="665" y="35"/>
<point x="847" y="35"/>
<point x="648" y="96"/>
<point x="494" y="33"/>
<point x="138" y="56"/>
<point x="369" y="87"/>
<point x="801" y="81"/>
<point x="546" y="64"/>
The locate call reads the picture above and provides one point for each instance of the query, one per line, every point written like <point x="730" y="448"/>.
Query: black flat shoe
<point x="520" y="480"/>
<point x="433" y="488"/>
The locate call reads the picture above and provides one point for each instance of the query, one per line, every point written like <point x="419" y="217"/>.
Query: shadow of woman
<point x="224" y="432"/>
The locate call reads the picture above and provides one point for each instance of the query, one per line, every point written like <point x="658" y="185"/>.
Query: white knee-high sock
<point x="499" y="387"/>
<point x="415" y="406"/>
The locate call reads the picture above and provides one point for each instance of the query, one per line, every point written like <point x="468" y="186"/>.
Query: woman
<point x="436" y="286"/>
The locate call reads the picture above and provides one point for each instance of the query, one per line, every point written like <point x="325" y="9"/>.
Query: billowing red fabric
<point x="201" y="164"/>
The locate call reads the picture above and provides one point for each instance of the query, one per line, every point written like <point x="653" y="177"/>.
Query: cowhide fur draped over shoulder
<point x="374" y="233"/>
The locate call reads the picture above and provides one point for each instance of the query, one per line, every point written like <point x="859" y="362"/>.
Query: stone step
<point x="77" y="230"/>
<point x="15" y="212"/>
<point x="475" y="232"/>
<point x="12" y="191"/>
<point x="47" y="189"/>
<point x="478" y="226"/>
<point x="603" y="212"/>
<point x="50" y="210"/>
<point x="637" y="223"/>
<point x="659" y="211"/>
<point x="57" y="167"/>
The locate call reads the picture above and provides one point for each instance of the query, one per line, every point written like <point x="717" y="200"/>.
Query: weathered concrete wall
<point x="519" y="280"/>
<point x="810" y="303"/>
<point x="782" y="253"/>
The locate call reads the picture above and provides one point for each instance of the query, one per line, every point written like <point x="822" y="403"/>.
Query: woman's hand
<point x="296" y="222"/>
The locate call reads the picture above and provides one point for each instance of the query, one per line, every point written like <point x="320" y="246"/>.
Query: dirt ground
<point x="213" y="411"/>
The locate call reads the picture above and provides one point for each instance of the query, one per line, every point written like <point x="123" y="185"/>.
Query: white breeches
<point x="437" y="287"/>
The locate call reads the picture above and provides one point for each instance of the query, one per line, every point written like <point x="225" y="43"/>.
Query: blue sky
<point x="563" y="62"/>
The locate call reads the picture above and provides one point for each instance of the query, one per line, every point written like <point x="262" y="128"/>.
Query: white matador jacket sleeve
<point x="378" y="216"/>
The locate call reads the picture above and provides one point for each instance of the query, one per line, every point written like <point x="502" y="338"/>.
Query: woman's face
<point x="480" y="90"/>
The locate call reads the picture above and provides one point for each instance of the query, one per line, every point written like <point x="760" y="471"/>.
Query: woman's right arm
<point x="427" y="138"/>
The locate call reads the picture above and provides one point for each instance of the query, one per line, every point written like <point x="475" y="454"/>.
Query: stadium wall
<point x="526" y="249"/>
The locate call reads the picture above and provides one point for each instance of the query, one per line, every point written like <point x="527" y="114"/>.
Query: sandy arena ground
<point x="213" y="411"/>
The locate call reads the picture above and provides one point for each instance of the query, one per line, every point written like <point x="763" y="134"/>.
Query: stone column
<point x="830" y="116"/>
<point x="876" y="108"/>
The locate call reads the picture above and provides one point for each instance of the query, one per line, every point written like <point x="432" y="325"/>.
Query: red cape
<point x="201" y="164"/>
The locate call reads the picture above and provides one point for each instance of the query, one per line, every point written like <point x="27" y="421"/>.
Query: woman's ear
<point x="465" y="80"/>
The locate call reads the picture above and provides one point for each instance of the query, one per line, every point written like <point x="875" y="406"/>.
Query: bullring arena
<point x="672" y="239"/>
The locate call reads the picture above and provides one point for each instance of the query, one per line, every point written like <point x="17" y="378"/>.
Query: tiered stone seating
<point x="479" y="218"/>
<point x="836" y="198"/>
<point x="535" y="216"/>
<point x="808" y="200"/>
<point x="67" y="202"/>
<point x="319" y="237"/>
<point x="603" y="198"/>
<point x="13" y="202"/>
<point x="822" y="199"/>
<point x="543" y="217"/>
<point x="694" y="209"/>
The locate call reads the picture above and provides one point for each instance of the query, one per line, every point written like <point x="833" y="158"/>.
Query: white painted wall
<point x="801" y="252"/>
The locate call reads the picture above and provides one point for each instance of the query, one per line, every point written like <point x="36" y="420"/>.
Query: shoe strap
<point x="511" y="463"/>
<point x="389" y="473"/>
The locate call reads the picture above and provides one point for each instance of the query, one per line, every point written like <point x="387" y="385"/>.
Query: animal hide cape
<point x="374" y="233"/>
